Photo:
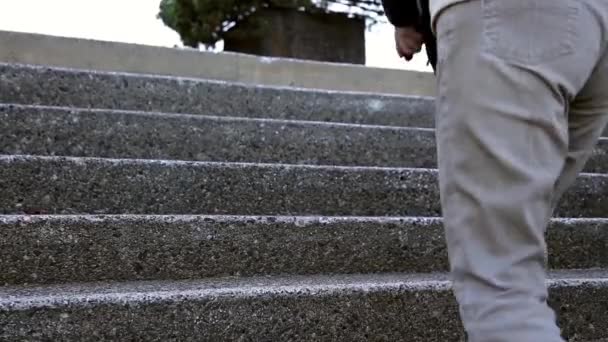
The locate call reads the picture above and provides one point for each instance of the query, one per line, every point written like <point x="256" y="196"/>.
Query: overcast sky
<point x="134" y="21"/>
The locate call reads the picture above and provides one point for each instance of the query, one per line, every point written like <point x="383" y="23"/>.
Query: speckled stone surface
<point x="81" y="249"/>
<point x="59" y="185"/>
<point x="578" y="243"/>
<point x="43" y="249"/>
<point x="276" y="292"/>
<point x="588" y="197"/>
<point x="379" y="307"/>
<point x="598" y="162"/>
<point x="61" y="87"/>
<point x="39" y="130"/>
<point x="106" y="186"/>
<point x="116" y="134"/>
<point x="36" y="85"/>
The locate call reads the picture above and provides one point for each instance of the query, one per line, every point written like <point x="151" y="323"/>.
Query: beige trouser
<point x="522" y="100"/>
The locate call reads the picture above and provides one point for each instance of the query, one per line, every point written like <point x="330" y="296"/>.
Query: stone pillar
<point x="328" y="37"/>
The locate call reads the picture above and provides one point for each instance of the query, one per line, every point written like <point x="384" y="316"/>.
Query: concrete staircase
<point x="147" y="208"/>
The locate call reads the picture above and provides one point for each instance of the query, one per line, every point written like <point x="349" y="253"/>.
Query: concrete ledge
<point x="75" y="53"/>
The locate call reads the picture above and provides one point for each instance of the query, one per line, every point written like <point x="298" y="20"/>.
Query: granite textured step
<point x="41" y="130"/>
<point x="56" y="249"/>
<point x="380" y="307"/>
<point x="57" y="185"/>
<point x="153" y="208"/>
<point x="34" y="85"/>
<point x="125" y="134"/>
<point x="52" y="86"/>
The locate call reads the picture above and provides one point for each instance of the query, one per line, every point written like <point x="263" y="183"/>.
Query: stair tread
<point x="339" y="307"/>
<point x="83" y="248"/>
<point x="204" y="163"/>
<point x="26" y="297"/>
<point x="170" y="162"/>
<point x="202" y="117"/>
<point x="28" y="84"/>
<point x="114" y="186"/>
<point x="81" y="132"/>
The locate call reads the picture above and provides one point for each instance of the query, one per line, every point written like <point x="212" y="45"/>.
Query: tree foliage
<point x="207" y="21"/>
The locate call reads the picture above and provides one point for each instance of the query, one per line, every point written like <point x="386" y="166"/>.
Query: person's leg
<point x="587" y="117"/>
<point x="506" y="74"/>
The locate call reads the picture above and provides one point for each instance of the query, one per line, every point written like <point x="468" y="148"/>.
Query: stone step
<point x="390" y="307"/>
<point x="53" y="86"/>
<point x="66" y="249"/>
<point x="42" y="130"/>
<point x="68" y="185"/>
<point x="125" y="134"/>
<point x="34" y="85"/>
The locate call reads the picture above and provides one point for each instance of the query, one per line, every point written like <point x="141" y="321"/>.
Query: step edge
<point x="8" y="158"/>
<point x="285" y="219"/>
<point x="24" y="298"/>
<point x="204" y="117"/>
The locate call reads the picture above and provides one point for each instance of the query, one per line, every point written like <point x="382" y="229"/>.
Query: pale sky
<point x="134" y="21"/>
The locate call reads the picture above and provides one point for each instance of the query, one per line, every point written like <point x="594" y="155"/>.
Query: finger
<point x="405" y="51"/>
<point x="402" y="48"/>
<point x="407" y="55"/>
<point x="410" y="33"/>
<point x="415" y="41"/>
<point x="398" y="44"/>
<point x="408" y="42"/>
<point x="399" y="50"/>
<point x="411" y="47"/>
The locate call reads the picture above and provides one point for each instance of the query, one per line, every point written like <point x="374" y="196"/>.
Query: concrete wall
<point x="110" y="56"/>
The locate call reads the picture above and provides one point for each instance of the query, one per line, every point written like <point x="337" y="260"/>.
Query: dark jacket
<point x="415" y="13"/>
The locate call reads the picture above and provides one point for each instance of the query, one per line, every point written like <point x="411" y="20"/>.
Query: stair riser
<point x="45" y="131"/>
<point x="60" y="87"/>
<point x="390" y="314"/>
<point x="96" y="186"/>
<point x="65" y="185"/>
<point x="57" y="87"/>
<point x="114" y="134"/>
<point x="49" y="250"/>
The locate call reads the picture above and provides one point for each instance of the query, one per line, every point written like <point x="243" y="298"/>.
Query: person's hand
<point x="408" y="42"/>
